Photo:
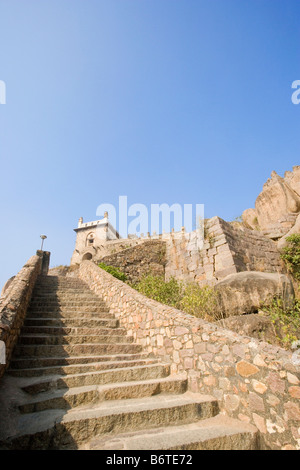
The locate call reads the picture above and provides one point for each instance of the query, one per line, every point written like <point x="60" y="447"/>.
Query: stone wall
<point x="14" y="303"/>
<point x="227" y="249"/>
<point x="148" y="257"/>
<point x="253" y="381"/>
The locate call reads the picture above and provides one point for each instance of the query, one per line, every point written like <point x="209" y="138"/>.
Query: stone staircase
<point x="77" y="381"/>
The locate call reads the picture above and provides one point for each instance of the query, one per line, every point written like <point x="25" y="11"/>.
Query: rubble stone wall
<point x="253" y="381"/>
<point x="14" y="303"/>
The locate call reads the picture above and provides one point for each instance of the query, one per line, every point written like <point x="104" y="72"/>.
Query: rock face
<point x="245" y="292"/>
<point x="277" y="206"/>
<point x="295" y="229"/>
<point x="254" y="325"/>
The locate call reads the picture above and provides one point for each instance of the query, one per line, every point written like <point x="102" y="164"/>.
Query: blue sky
<point x="165" y="101"/>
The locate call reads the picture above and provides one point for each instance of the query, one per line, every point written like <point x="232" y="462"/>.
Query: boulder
<point x="277" y="206"/>
<point x="250" y="220"/>
<point x="253" y="325"/>
<point x="282" y="243"/>
<point x="246" y="291"/>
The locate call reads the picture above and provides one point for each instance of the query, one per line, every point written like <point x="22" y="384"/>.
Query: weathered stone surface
<point x="143" y="259"/>
<point x="277" y="206"/>
<point x="14" y="303"/>
<point x="245" y="369"/>
<point x="250" y="219"/>
<point x="254" y="325"/>
<point x="294" y="230"/>
<point x="259" y="364"/>
<point x="245" y="292"/>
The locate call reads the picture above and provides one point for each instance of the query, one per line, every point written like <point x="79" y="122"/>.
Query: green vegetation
<point x="286" y="320"/>
<point x="202" y="302"/>
<point x="116" y="272"/>
<point x="291" y="255"/>
<point x="155" y="287"/>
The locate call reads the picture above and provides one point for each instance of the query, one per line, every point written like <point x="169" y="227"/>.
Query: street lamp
<point x="43" y="237"/>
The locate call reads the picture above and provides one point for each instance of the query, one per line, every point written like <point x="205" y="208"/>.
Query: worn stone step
<point x="89" y="322"/>
<point x="67" y="309"/>
<point x="75" y="349"/>
<point x="58" y="429"/>
<point x="126" y="374"/>
<point x="78" y="396"/>
<point x="62" y="331"/>
<point x="216" y="433"/>
<point x="69" y="314"/>
<point x="63" y="302"/>
<point x="41" y="362"/>
<point x="67" y="296"/>
<point x="73" y="339"/>
<point x="78" y="368"/>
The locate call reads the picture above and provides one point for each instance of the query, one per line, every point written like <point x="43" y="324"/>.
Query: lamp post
<point x="43" y="237"/>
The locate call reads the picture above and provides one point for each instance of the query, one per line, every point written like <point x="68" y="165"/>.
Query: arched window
<point x="87" y="256"/>
<point x="90" y="239"/>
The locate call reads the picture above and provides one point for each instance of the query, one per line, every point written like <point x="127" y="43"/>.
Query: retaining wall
<point x="14" y="303"/>
<point x="253" y="381"/>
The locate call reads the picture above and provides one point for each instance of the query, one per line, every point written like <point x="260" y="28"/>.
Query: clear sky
<point x="165" y="101"/>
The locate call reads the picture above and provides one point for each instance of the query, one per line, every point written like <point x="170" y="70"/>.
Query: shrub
<point x="286" y="320"/>
<point x="155" y="287"/>
<point x="291" y="255"/>
<point x="202" y="302"/>
<point x="113" y="271"/>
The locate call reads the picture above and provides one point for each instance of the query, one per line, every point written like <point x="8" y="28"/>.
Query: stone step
<point x="68" y="309"/>
<point x="62" y="331"/>
<point x="75" y="350"/>
<point x="78" y="368"/>
<point x="78" y="396"/>
<point x="89" y="322"/>
<point x="70" y="314"/>
<point x="216" y="433"/>
<point x="36" y="304"/>
<point x="73" y="339"/>
<point x="58" y="429"/>
<point x="126" y="374"/>
<point x="41" y="362"/>
<point x="41" y="297"/>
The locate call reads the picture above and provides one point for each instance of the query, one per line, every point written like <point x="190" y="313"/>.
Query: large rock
<point x="245" y="292"/>
<point x="282" y="243"/>
<point x="253" y="325"/>
<point x="277" y="206"/>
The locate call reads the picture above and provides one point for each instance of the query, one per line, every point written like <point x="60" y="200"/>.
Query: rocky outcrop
<point x="254" y="325"/>
<point x="245" y="292"/>
<point x="282" y="243"/>
<point x="140" y="260"/>
<point x="277" y="206"/>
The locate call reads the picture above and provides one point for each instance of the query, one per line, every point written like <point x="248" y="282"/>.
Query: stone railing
<point x="15" y="300"/>
<point x="253" y="381"/>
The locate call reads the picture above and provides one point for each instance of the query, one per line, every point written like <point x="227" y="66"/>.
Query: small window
<point x="90" y="239"/>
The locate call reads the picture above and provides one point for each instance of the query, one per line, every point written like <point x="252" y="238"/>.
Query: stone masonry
<point x="253" y="381"/>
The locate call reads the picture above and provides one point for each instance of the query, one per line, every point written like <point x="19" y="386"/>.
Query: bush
<point x="113" y="271"/>
<point x="291" y="255"/>
<point x="202" y="302"/>
<point x="155" y="287"/>
<point x="286" y="321"/>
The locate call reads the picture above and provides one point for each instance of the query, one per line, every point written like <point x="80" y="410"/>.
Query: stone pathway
<point x="77" y="381"/>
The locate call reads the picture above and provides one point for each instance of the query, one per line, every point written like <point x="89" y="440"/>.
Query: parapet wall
<point x="226" y="250"/>
<point x="14" y="303"/>
<point x="253" y="381"/>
